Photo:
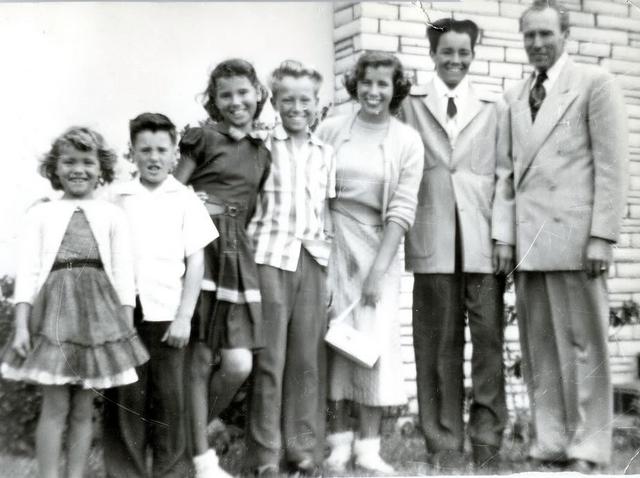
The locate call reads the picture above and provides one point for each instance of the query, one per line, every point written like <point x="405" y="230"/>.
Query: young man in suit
<point x="449" y="250"/>
<point x="562" y="188"/>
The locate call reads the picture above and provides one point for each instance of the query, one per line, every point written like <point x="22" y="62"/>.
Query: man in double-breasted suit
<point x="560" y="197"/>
<point x="449" y="250"/>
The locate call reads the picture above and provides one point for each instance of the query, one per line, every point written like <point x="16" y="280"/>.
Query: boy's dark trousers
<point x="289" y="374"/>
<point x="148" y="413"/>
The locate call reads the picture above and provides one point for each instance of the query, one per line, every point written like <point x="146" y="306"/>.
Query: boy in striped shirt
<point x="292" y="251"/>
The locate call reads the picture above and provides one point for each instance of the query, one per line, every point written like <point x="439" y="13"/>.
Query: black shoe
<point x="449" y="461"/>
<point x="486" y="458"/>
<point x="585" y="467"/>
<point x="267" y="471"/>
<point x="547" y="465"/>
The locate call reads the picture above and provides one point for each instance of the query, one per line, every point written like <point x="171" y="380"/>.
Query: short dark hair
<point x="151" y="122"/>
<point x="228" y="69"/>
<point x="444" y="25"/>
<point x="294" y="69"/>
<point x="375" y="59"/>
<point x="82" y="139"/>
<point x="539" y="5"/>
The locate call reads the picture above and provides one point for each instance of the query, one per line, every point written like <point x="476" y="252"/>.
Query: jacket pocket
<point x="483" y="155"/>
<point x="418" y="243"/>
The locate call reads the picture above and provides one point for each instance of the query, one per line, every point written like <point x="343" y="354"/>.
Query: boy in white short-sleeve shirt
<point x="170" y="228"/>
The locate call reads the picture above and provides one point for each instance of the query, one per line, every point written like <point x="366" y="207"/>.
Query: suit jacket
<point x="562" y="179"/>
<point x="460" y="178"/>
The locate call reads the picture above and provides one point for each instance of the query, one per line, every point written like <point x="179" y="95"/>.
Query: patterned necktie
<point x="451" y="108"/>
<point x="537" y="94"/>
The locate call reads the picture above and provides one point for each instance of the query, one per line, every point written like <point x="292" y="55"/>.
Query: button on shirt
<point x="291" y="207"/>
<point x="167" y="224"/>
<point x="460" y="95"/>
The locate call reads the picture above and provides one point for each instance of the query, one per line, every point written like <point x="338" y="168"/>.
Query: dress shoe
<point x="585" y="467"/>
<point x="449" y="461"/>
<point x="486" y="458"/>
<point x="547" y="465"/>
<point x="267" y="471"/>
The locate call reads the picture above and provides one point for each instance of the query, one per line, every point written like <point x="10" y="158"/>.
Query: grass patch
<point x="405" y="451"/>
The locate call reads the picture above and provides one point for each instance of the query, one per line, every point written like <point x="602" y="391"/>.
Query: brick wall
<point x="605" y="32"/>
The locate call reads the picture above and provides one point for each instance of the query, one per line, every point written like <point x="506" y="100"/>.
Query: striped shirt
<point x="291" y="208"/>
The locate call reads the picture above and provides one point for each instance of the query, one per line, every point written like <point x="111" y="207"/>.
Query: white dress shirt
<point x="460" y="95"/>
<point x="552" y="73"/>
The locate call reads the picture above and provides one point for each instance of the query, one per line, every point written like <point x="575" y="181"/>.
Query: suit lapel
<point x="431" y="102"/>
<point x="521" y="125"/>
<point x="474" y="105"/>
<point x="553" y="108"/>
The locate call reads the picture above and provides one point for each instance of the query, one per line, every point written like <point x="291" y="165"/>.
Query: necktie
<point x="451" y="108"/>
<point x="537" y="94"/>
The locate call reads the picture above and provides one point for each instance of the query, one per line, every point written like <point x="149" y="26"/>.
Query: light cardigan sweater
<point x="403" y="154"/>
<point x="44" y="228"/>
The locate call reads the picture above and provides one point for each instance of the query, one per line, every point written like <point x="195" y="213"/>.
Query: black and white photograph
<point x="319" y="239"/>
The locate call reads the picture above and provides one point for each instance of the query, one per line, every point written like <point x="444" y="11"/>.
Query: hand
<point x="22" y="342"/>
<point x="202" y="196"/>
<point x="371" y="288"/>
<point x="597" y="256"/>
<point x="177" y="335"/>
<point x="502" y="258"/>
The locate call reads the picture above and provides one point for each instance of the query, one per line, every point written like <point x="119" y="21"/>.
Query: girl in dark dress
<point x="226" y="164"/>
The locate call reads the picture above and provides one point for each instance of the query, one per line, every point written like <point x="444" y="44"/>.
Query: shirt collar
<point x="280" y="134"/>
<point x="552" y="73"/>
<point x="256" y="136"/>
<point x="460" y="92"/>
<point x="134" y="186"/>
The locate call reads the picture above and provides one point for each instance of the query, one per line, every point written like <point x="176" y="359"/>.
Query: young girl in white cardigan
<point x="74" y="300"/>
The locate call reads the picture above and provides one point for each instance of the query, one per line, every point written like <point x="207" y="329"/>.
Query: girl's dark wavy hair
<point x="82" y="139"/>
<point x="375" y="59"/>
<point x="227" y="69"/>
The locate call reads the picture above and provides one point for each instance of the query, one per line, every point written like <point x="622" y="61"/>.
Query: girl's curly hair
<point x="375" y="59"/>
<point x="82" y="139"/>
<point x="227" y="69"/>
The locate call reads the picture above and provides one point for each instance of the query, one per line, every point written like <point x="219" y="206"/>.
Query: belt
<point x="216" y="207"/>
<point x="97" y="263"/>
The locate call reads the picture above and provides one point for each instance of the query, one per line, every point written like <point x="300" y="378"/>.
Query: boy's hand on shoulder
<point x="203" y="196"/>
<point x="178" y="333"/>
